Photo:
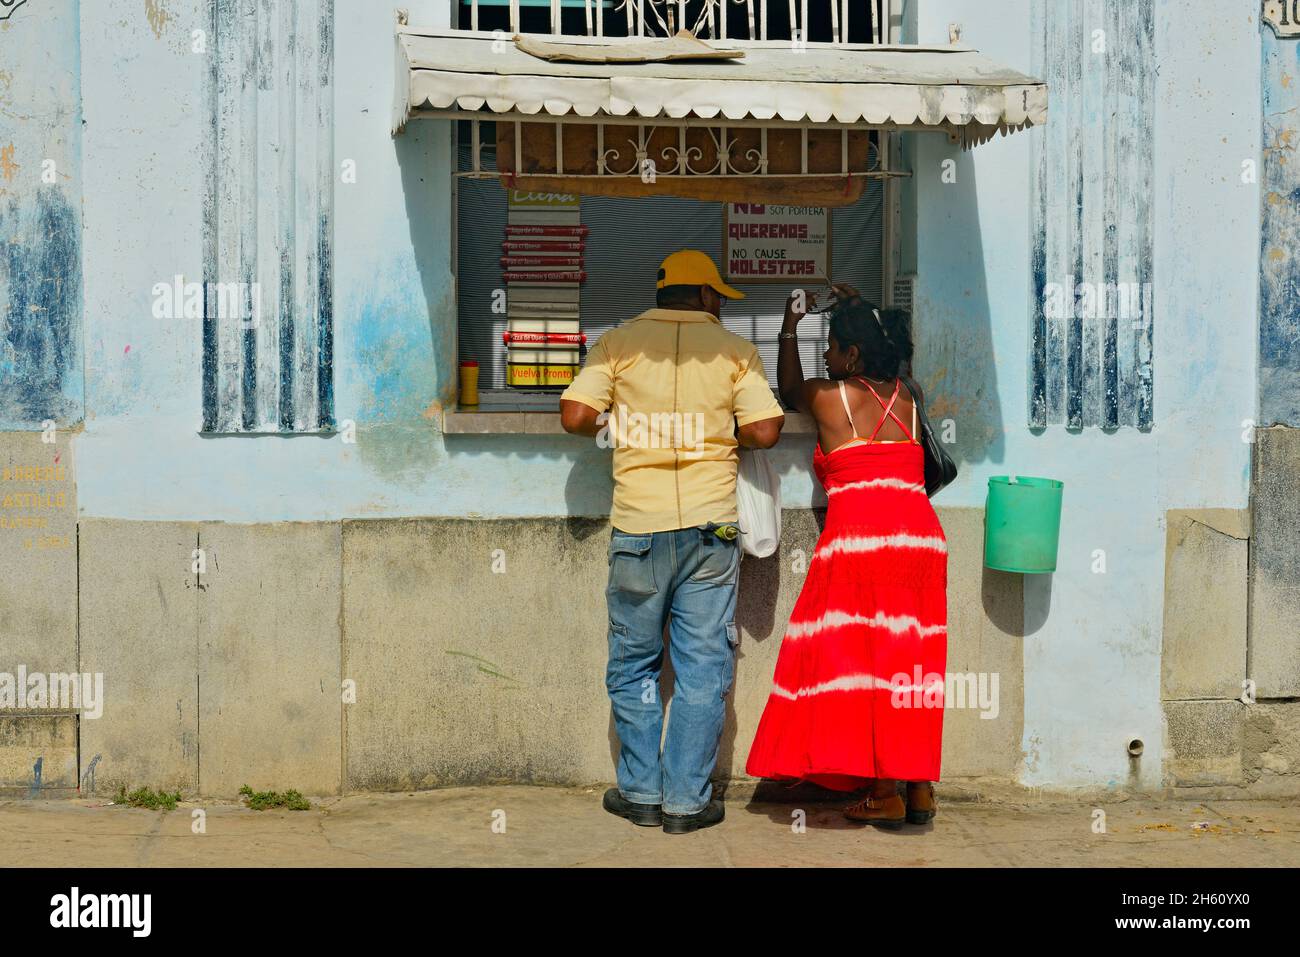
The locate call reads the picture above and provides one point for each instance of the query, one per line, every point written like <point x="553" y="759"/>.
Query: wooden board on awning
<point x="683" y="46"/>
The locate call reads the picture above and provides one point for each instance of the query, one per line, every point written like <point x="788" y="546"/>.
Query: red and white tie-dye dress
<point x="858" y="688"/>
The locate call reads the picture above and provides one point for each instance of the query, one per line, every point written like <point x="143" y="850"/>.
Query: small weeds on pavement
<point x="264" y="800"/>
<point x="149" y="798"/>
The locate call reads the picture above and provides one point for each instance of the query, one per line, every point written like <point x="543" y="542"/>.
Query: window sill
<point x="468" y="421"/>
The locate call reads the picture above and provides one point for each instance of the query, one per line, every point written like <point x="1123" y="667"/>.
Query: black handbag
<point x="940" y="469"/>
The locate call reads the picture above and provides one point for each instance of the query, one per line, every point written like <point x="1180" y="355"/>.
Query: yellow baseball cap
<point x="690" y="267"/>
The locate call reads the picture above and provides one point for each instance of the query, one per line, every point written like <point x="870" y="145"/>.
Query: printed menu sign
<point x="541" y="266"/>
<point x="762" y="242"/>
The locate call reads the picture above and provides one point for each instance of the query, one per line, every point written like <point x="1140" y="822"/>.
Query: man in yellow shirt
<point x="674" y="394"/>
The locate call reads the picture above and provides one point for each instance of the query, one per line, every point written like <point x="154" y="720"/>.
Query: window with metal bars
<point x="626" y="240"/>
<point x="823" y="21"/>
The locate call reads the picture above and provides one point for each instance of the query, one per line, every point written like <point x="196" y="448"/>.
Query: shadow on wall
<point x="952" y="326"/>
<point x="1038" y="601"/>
<point x="427" y="223"/>
<point x="1021" y="621"/>
<point x="402" y="352"/>
<point x="589" y="484"/>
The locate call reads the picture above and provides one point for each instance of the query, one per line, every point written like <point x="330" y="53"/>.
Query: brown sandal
<point x="921" y="805"/>
<point x="889" y="812"/>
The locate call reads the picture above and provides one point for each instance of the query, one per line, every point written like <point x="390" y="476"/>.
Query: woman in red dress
<point x="857" y="697"/>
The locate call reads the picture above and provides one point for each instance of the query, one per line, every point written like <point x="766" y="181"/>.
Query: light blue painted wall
<point x="1092" y="662"/>
<point x="141" y="456"/>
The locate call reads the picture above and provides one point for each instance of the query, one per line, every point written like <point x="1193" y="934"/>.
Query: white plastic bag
<point x="758" y="503"/>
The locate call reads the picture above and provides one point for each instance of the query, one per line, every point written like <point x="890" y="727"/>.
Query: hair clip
<point x="876" y="312"/>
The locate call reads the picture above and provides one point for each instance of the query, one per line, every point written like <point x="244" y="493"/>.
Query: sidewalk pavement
<point x="518" y="826"/>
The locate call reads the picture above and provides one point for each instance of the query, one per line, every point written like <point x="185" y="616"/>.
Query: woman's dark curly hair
<point x="883" y="336"/>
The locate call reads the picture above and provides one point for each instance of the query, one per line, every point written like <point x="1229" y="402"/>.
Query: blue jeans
<point x="686" y="579"/>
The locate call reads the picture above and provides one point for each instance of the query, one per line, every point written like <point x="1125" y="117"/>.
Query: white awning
<point x="951" y="88"/>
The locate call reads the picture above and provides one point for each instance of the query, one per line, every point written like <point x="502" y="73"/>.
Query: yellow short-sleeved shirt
<point x="675" y="384"/>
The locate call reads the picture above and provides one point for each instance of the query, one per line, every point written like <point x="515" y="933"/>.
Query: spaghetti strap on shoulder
<point x="912" y="395"/>
<point x="889" y="412"/>
<point x="844" y="399"/>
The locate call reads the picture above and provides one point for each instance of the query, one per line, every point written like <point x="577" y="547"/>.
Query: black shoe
<point x="647" y="815"/>
<point x="710" y="815"/>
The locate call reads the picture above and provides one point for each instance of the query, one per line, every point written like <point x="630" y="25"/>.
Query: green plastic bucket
<point x="1022" y="523"/>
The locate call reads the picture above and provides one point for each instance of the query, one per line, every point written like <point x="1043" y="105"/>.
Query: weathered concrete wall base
<point x="1274" y="661"/>
<point x="1271" y="748"/>
<point x="38" y="550"/>
<point x="477" y="649"/>
<point x="1233" y="749"/>
<point x="986" y="624"/>
<point x="220" y="647"/>
<point x="502" y="676"/>
<point x="139" y="607"/>
<point x="1204" y="637"/>
<point x="1216" y="745"/>
<point x="400" y="654"/>
<point x="38" y="601"/>
<point x="1204" y="743"/>
<point x="269" y="645"/>
<point x="38" y="754"/>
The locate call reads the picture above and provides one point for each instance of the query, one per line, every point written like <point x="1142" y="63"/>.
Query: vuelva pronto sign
<point x="763" y="242"/>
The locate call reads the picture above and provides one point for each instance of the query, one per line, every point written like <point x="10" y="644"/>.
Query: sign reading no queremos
<point x="762" y="242"/>
<point x="1283" y="16"/>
